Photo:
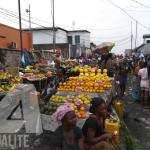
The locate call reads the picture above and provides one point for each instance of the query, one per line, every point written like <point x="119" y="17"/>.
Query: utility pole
<point x="131" y="37"/>
<point x="136" y="35"/>
<point x="29" y="11"/>
<point x="20" y="26"/>
<point x="54" y="33"/>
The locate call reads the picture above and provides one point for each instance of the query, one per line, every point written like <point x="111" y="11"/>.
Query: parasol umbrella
<point x="105" y="46"/>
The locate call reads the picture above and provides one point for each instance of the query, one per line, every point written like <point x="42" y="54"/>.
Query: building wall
<point x="84" y="38"/>
<point x="13" y="35"/>
<point x="11" y="58"/>
<point x="46" y="37"/>
<point x="128" y="52"/>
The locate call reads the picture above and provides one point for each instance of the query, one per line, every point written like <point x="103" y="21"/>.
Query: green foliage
<point x="129" y="143"/>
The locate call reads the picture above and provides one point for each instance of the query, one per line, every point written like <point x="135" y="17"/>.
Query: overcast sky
<point x="106" y="22"/>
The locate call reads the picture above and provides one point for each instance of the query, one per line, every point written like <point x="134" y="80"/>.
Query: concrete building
<point x="71" y="43"/>
<point x="145" y="47"/>
<point x="81" y="40"/>
<point x="10" y="38"/>
<point x="128" y="52"/>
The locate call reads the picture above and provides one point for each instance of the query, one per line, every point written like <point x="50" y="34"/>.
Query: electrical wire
<point x="13" y="15"/>
<point x="16" y="17"/>
<point x="123" y="43"/>
<point x="139" y="11"/>
<point x="122" y="40"/>
<point x="8" y="15"/>
<point x="92" y="29"/>
<point x="141" y="4"/>
<point x="128" y="14"/>
<point x="98" y="37"/>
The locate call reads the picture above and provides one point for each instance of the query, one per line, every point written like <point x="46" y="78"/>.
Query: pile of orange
<point x="93" y="81"/>
<point x="80" y="111"/>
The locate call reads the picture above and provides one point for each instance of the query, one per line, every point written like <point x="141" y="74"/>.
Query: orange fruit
<point x="83" y="116"/>
<point x="82" y="108"/>
<point x="79" y="116"/>
<point x="82" y="113"/>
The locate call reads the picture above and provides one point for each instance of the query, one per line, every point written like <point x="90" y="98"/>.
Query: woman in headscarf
<point x="67" y="136"/>
<point x="93" y="130"/>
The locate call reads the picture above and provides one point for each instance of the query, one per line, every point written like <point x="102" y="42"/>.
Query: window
<point x="70" y="39"/>
<point x="77" y="39"/>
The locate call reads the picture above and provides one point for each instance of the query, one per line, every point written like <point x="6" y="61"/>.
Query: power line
<point x="141" y="4"/>
<point x="128" y="14"/>
<point x="8" y="15"/>
<point x="123" y="43"/>
<point x="92" y="29"/>
<point x="139" y="11"/>
<point x="98" y="37"/>
<point x="15" y="16"/>
<point x="122" y="40"/>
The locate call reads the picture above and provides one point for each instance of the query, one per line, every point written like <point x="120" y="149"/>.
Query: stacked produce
<point x="77" y="100"/>
<point x="81" y="111"/>
<point x="68" y="63"/>
<point x="36" y="72"/>
<point x="8" y="81"/>
<point x="89" y="80"/>
<point x="78" y="103"/>
<point x="48" y="109"/>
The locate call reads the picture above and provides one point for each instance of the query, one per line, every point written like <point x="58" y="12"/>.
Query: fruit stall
<point x="37" y="75"/>
<point x="8" y="82"/>
<point x="78" y="91"/>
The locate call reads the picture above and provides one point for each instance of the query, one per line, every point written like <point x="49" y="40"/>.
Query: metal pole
<point x="29" y="18"/>
<point x="136" y="34"/>
<point x="20" y="27"/>
<point x="131" y="36"/>
<point x="54" y="34"/>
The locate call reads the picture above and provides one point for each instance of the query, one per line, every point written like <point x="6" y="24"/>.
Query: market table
<point x="50" y="124"/>
<point x="107" y="95"/>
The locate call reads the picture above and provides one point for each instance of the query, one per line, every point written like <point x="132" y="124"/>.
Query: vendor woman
<point x="60" y="76"/>
<point x="67" y="136"/>
<point x="93" y="129"/>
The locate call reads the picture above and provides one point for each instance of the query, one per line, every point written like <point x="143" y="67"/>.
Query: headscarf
<point x="61" y="112"/>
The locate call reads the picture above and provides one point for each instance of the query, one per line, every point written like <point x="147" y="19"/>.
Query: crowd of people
<point x="92" y="135"/>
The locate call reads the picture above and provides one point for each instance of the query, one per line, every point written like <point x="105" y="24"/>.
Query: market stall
<point x="38" y="75"/>
<point x="78" y="91"/>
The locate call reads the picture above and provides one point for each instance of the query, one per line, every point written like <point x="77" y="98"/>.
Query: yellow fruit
<point x="93" y="70"/>
<point x="81" y="70"/>
<point x="105" y="74"/>
<point x="92" y="74"/>
<point x="60" y="83"/>
<point x="86" y="70"/>
<point x="75" y="107"/>
<point x="81" y="74"/>
<point x="76" y="111"/>
<point x="99" y="70"/>
<point x="104" y="70"/>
